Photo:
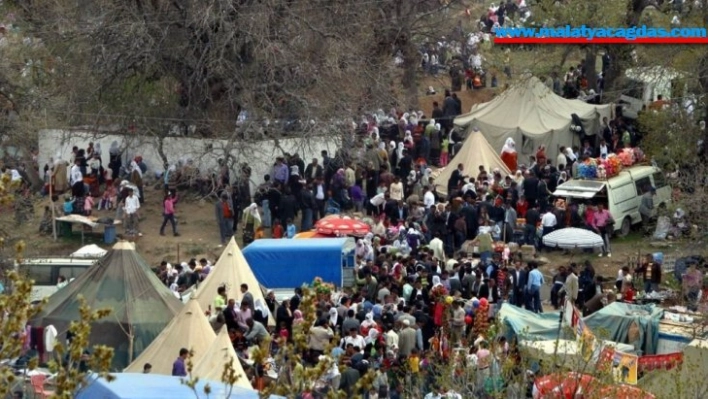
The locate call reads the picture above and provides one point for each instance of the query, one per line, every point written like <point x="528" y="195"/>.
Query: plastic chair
<point x="37" y="382"/>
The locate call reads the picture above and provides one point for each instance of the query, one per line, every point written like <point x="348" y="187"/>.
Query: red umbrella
<point x="624" y="392"/>
<point x="563" y="386"/>
<point x="341" y="226"/>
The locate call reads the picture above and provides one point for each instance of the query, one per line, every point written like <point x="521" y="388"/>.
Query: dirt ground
<point x="200" y="238"/>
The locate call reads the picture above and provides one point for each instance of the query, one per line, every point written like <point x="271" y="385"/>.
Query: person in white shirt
<point x="355" y="339"/>
<point x="428" y="198"/>
<point x="561" y="159"/>
<point x="75" y="174"/>
<point x="548" y="222"/>
<point x="130" y="209"/>
<point x="378" y="201"/>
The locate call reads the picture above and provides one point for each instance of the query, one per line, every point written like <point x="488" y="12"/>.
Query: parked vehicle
<point x="45" y="273"/>
<point x="621" y="194"/>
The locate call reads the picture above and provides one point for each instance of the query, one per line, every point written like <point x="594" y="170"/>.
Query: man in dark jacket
<point x="530" y="185"/>
<point x="533" y="218"/>
<point x="288" y="207"/>
<point x="313" y="171"/>
<point x="397" y="212"/>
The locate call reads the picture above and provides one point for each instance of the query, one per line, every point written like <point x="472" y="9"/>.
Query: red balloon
<point x="483" y="302"/>
<point x="468" y="319"/>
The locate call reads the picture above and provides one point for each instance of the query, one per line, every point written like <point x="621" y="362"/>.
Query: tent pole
<point x="130" y="344"/>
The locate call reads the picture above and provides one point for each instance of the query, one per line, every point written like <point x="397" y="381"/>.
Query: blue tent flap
<point x="152" y="386"/>
<point x="614" y="320"/>
<point x="283" y="263"/>
<point x="527" y="325"/>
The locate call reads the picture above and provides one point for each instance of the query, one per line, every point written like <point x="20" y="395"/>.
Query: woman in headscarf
<point x="509" y="155"/>
<point x="425" y="178"/>
<point x="136" y="176"/>
<point x="399" y="154"/>
<point x="295" y="181"/>
<point x="368" y="323"/>
<point x="251" y="223"/>
<point x="392" y="156"/>
<point x="360" y="250"/>
<point x="333" y="317"/>
<point x="413" y="240"/>
<point x="408" y="140"/>
<point x="383" y="154"/>
<point x="570" y="159"/>
<point x="338" y="186"/>
<point x="297" y="317"/>
<point x="261" y="313"/>
<point x="59" y="174"/>
<point x="371" y="340"/>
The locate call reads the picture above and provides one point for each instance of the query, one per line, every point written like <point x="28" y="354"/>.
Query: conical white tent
<point x="533" y="115"/>
<point x="231" y="270"/>
<point x="189" y="329"/>
<point x="475" y="152"/>
<point x="219" y="353"/>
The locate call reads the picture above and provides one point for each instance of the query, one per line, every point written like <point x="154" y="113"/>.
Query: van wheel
<point x="626" y="227"/>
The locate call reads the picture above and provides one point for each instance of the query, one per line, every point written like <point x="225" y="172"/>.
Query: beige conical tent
<point x="475" y="152"/>
<point x="219" y="353"/>
<point x="231" y="270"/>
<point x="189" y="329"/>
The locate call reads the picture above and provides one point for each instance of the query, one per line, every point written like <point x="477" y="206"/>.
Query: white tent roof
<point x="219" y="353"/>
<point x="532" y="115"/>
<point x="189" y="329"/>
<point x="231" y="270"/>
<point x="475" y="152"/>
<point x="89" y="251"/>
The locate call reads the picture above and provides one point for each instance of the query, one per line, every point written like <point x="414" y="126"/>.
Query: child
<point x="168" y="213"/>
<point x="277" y="230"/>
<point x="88" y="205"/>
<point x="291" y="229"/>
<point x="283" y="333"/>
<point x="68" y="205"/>
<point x="444" y="151"/>
<point x="414" y="366"/>
<point x="259" y="233"/>
<point x="109" y="198"/>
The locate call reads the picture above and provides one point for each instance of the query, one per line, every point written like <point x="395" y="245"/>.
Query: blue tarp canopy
<point x="614" y="320"/>
<point x="283" y="263"/>
<point x="152" y="386"/>
<point x="527" y="325"/>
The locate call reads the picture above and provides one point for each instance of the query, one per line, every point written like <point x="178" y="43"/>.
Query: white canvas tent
<point x="189" y="329"/>
<point x="231" y="270"/>
<point x="89" y="251"/>
<point x="475" y="152"/>
<point x="219" y="353"/>
<point x="532" y="115"/>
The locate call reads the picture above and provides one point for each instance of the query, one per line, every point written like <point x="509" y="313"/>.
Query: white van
<point x="621" y="193"/>
<point x="46" y="271"/>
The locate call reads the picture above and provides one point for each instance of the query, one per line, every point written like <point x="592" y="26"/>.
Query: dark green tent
<point x="141" y="306"/>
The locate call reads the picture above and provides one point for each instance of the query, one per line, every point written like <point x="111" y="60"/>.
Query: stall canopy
<point x="614" y="321"/>
<point x="220" y="352"/>
<point x="189" y="329"/>
<point x="475" y="152"/>
<point x="231" y="270"/>
<point x="292" y="263"/>
<point x="532" y="326"/>
<point x="532" y="115"/>
<point x="151" y="386"/>
<point x="141" y="305"/>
